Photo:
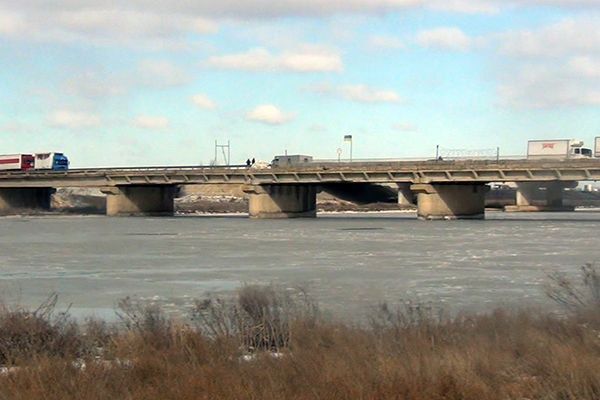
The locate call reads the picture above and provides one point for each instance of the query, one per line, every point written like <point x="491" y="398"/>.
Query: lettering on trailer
<point x="10" y="161"/>
<point x="548" y="145"/>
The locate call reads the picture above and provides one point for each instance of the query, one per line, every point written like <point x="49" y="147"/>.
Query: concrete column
<point x="13" y="201"/>
<point x="406" y="197"/>
<point x="450" y="201"/>
<point x="139" y="200"/>
<point x="541" y="196"/>
<point x="526" y="194"/>
<point x="282" y="201"/>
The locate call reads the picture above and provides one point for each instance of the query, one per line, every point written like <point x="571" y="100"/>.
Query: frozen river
<point x="348" y="262"/>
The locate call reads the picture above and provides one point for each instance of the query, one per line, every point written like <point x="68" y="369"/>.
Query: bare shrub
<point x="26" y="334"/>
<point x="408" y="314"/>
<point x="147" y="321"/>
<point x="576" y="296"/>
<point x="410" y="353"/>
<point x="261" y="318"/>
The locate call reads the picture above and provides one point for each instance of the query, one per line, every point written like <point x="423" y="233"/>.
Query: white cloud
<point x="569" y="36"/>
<point x="405" y="127"/>
<point x="70" y="119"/>
<point x="269" y="114"/>
<point x="11" y="23"/>
<point x="95" y="24"/>
<point x="545" y="86"/>
<point x="203" y="101"/>
<point x="556" y="3"/>
<point x="151" y="24"/>
<point x="264" y="8"/>
<point x="151" y="122"/>
<point x="445" y="38"/>
<point x="385" y="42"/>
<point x="310" y="59"/>
<point x="359" y="93"/>
<point x="553" y="66"/>
<point x="466" y="6"/>
<point x="586" y="66"/>
<point x="495" y="6"/>
<point x="174" y="25"/>
<point x="93" y="84"/>
<point x="97" y="84"/>
<point x="161" y="74"/>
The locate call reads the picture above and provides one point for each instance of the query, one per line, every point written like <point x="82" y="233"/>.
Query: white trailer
<point x="557" y="149"/>
<point x="289" y="160"/>
<point x="597" y="147"/>
<point x="16" y="162"/>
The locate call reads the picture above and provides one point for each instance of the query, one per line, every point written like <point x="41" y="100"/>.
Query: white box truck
<point x="557" y="149"/>
<point x="597" y="147"/>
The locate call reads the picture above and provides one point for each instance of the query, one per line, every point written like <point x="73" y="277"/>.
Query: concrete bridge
<point x="443" y="189"/>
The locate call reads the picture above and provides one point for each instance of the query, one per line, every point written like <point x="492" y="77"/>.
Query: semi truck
<point x="38" y="161"/>
<point x="557" y="149"/>
<point x="11" y="162"/>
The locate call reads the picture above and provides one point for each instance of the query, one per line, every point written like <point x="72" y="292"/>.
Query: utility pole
<point x="348" y="138"/>
<point x="223" y="147"/>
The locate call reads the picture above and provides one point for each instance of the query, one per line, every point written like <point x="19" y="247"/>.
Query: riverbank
<point x="274" y="344"/>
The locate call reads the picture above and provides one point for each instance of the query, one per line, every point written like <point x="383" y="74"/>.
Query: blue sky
<point x="154" y="84"/>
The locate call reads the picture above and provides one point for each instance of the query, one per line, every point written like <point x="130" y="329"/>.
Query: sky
<point x="141" y="83"/>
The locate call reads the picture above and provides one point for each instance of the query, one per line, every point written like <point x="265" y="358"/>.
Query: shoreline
<point x="245" y="214"/>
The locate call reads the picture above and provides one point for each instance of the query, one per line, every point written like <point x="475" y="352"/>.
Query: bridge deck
<point x="372" y="172"/>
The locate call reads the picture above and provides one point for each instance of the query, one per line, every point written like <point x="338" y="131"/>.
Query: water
<point x="348" y="262"/>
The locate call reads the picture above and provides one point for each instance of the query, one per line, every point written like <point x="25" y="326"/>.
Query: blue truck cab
<point x="60" y="162"/>
<point x="51" y="161"/>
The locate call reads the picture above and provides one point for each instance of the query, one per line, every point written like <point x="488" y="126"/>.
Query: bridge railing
<point x="160" y="168"/>
<point x="421" y="159"/>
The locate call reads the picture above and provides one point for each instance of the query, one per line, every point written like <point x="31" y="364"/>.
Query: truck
<point x="597" y="147"/>
<point x="39" y="161"/>
<point x="51" y="161"/>
<point x="291" y="160"/>
<point x="16" y="162"/>
<point x="557" y="149"/>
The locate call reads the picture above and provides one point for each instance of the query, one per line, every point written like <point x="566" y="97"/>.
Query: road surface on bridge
<point x="463" y="171"/>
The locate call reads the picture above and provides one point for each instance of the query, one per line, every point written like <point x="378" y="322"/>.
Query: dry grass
<point x="269" y="344"/>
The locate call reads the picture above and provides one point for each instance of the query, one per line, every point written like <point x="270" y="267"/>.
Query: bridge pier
<point x="140" y="200"/>
<point x="406" y="197"/>
<point x="25" y="199"/>
<point x="528" y="193"/>
<point x="282" y="201"/>
<point x="450" y="201"/>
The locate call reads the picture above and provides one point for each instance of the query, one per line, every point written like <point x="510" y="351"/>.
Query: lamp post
<point x="348" y="138"/>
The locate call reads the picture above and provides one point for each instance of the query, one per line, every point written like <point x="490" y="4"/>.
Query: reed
<point x="273" y="344"/>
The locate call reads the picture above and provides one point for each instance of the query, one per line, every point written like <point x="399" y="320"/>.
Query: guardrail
<point x="421" y="159"/>
<point x="158" y="168"/>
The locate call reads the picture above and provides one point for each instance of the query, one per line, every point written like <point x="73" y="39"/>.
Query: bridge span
<point x="443" y="189"/>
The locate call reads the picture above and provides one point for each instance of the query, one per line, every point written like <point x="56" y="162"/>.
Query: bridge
<point x="443" y="189"/>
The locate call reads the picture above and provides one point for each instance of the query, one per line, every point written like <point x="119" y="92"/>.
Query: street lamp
<point x="348" y="138"/>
